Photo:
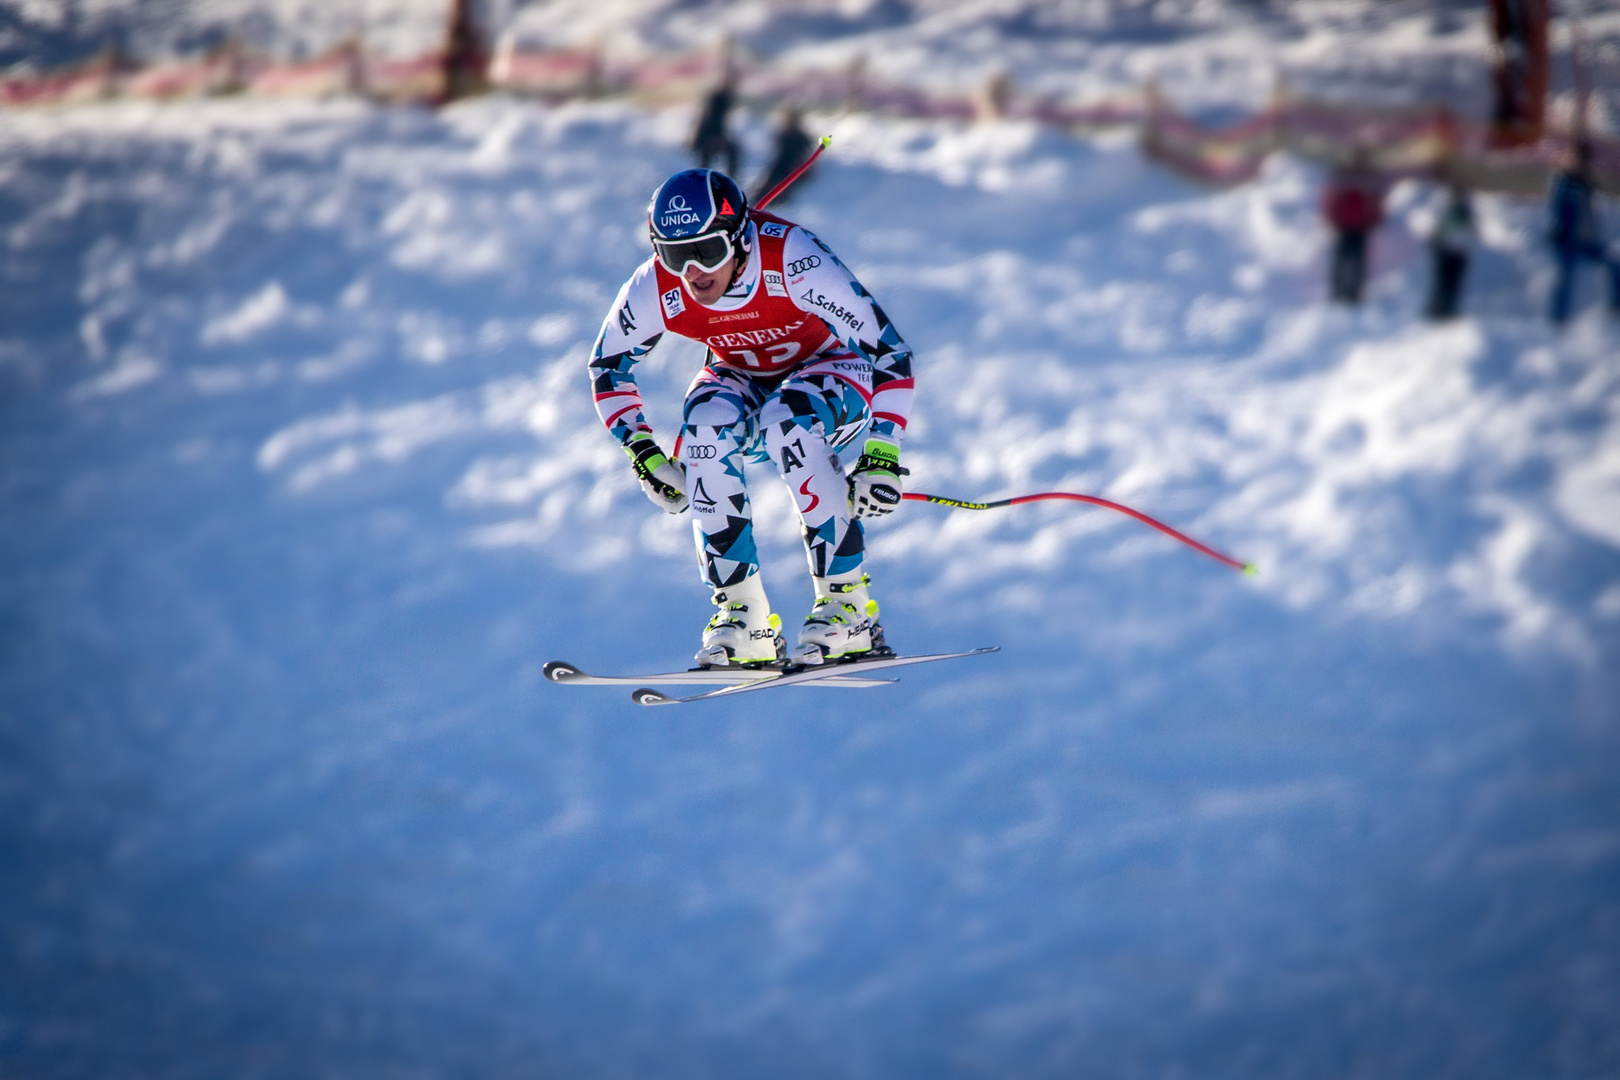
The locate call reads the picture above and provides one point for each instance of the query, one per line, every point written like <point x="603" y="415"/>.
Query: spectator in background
<point x="1451" y="243"/>
<point x="1353" y="203"/>
<point x="792" y="147"/>
<point x="1576" y="234"/>
<point x="712" y="139"/>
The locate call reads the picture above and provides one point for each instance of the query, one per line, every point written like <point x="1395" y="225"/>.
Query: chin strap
<point x="739" y="265"/>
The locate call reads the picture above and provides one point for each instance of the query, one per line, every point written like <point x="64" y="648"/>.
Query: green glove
<point x="874" y="486"/>
<point x="662" y="480"/>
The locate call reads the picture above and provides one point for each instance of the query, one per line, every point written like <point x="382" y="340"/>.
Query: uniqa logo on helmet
<point x="678" y="212"/>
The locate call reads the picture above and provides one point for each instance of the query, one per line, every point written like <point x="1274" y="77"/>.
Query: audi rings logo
<point x="794" y="269"/>
<point x="699" y="451"/>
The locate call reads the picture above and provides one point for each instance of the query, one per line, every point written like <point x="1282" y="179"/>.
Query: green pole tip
<point x="826" y="141"/>
<point x="1250" y="569"/>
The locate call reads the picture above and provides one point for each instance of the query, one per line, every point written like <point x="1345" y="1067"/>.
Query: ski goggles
<point x="708" y="253"/>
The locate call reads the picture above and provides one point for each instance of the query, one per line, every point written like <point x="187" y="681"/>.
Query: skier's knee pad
<point x="793" y="448"/>
<point x="808" y="464"/>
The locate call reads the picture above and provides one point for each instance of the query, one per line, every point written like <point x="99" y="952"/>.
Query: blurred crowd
<point x="1367" y="148"/>
<point x="1352" y="204"/>
<point x="713" y="144"/>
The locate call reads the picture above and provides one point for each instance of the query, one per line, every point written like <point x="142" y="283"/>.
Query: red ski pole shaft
<point x="787" y="181"/>
<point x="960" y="504"/>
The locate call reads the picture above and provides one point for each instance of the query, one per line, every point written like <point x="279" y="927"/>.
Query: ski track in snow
<point x="303" y="485"/>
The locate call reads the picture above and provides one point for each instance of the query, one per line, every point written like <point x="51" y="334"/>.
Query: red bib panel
<point x="768" y="335"/>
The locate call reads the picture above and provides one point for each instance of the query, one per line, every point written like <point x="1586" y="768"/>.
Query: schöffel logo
<point x="799" y="266"/>
<point x="771" y="228"/>
<point x="773" y="284"/>
<point x="678" y="212"/>
<point x="831" y="307"/>
<point x="704" y="453"/>
<point x="673" y="304"/>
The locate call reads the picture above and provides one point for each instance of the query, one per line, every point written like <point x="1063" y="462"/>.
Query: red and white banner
<point x="221" y="73"/>
<point x="1424" y="141"/>
<point x="96" y="80"/>
<point x="335" y="73"/>
<point x="558" y="73"/>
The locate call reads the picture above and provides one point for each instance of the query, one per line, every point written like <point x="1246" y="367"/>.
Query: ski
<point x="821" y="674"/>
<point x="566" y="674"/>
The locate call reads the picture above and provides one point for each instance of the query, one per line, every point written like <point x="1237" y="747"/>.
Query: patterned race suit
<point x="801" y="359"/>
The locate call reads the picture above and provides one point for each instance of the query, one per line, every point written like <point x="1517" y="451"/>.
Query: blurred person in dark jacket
<point x="1576" y="234"/>
<point x="1450" y="245"/>
<point x="712" y="139"/>
<point x="1353" y="203"/>
<point x="791" y="148"/>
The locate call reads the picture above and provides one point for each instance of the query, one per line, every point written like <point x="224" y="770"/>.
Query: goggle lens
<point x="708" y="252"/>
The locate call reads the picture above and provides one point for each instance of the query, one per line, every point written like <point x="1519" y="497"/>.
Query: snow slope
<point x="302" y="485"/>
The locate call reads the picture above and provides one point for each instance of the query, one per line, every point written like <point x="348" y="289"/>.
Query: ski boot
<point x="743" y="631"/>
<point x="842" y="625"/>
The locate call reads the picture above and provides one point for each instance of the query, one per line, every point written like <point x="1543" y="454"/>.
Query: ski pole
<point x="961" y="504"/>
<point x="765" y="199"/>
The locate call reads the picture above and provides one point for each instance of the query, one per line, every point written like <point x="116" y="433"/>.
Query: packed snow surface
<point x="302" y="485"/>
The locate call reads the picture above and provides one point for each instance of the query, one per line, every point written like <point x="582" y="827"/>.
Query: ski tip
<point x="645" y="696"/>
<point x="1251" y="569"/>
<point x="559" y="672"/>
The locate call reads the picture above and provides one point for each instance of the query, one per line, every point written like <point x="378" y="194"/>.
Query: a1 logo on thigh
<point x="793" y="455"/>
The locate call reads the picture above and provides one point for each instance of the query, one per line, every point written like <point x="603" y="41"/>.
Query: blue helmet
<point x="697" y="216"/>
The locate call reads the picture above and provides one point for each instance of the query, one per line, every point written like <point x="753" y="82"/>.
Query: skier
<point x="712" y="137"/>
<point x="791" y="147"/>
<point x="1450" y="245"/>
<point x="1353" y="203"/>
<point x="801" y="361"/>
<point x="1576" y="234"/>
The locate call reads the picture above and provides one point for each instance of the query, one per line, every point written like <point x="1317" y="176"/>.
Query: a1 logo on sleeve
<point x="773" y="228"/>
<point x="773" y="284"/>
<point x="673" y="304"/>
